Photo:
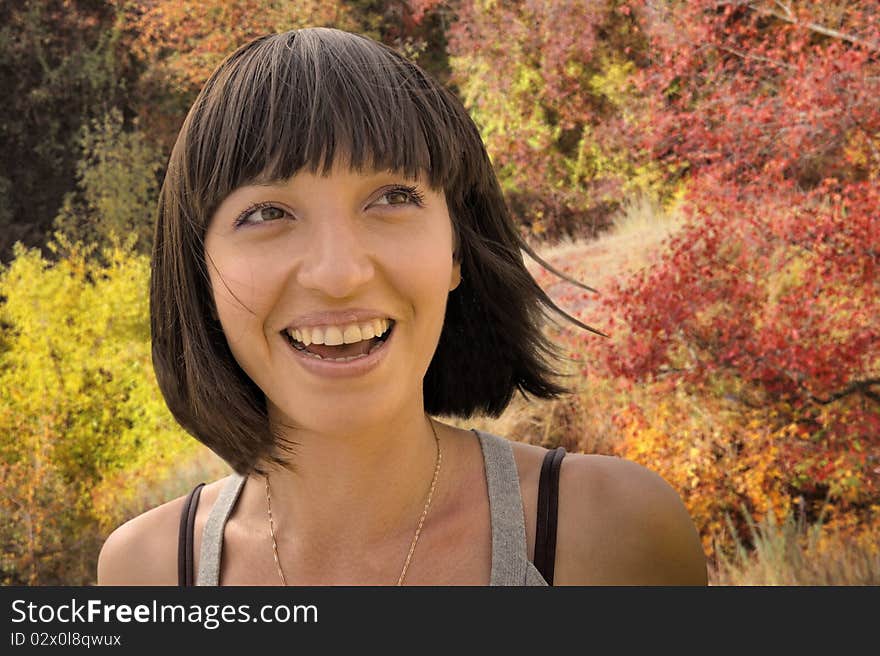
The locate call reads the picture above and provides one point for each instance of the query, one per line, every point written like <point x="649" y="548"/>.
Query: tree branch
<point x="863" y="386"/>
<point x="745" y="55"/>
<point x="813" y="27"/>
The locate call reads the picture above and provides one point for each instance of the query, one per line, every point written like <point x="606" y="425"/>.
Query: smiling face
<point x="362" y="262"/>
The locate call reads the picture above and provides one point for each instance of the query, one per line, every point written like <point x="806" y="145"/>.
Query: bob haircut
<point x="299" y="99"/>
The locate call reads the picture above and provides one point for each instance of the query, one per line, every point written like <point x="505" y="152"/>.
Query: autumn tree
<point x="117" y="186"/>
<point x="549" y="84"/>
<point x="60" y="67"/>
<point x="767" y="301"/>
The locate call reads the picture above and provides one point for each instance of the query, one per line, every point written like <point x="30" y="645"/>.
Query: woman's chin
<point x="339" y="416"/>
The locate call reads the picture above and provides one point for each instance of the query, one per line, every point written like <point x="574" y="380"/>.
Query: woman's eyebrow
<point x="367" y="176"/>
<point x="265" y="183"/>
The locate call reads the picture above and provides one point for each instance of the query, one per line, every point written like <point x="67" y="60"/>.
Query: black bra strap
<point x="548" y="507"/>
<point x="185" y="537"/>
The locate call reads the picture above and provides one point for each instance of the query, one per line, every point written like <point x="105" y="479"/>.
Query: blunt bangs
<point x="301" y="99"/>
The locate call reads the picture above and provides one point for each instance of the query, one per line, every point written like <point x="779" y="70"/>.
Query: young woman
<point x="334" y="264"/>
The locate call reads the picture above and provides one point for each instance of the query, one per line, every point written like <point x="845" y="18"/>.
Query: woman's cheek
<point x="241" y="292"/>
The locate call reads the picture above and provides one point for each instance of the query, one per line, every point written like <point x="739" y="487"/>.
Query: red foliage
<point x="773" y="281"/>
<point x="747" y="92"/>
<point x="540" y="59"/>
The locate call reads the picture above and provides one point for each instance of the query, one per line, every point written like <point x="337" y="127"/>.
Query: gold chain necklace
<point x="415" y="540"/>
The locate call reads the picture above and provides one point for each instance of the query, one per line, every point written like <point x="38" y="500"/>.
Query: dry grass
<point x="792" y="553"/>
<point x="633" y="243"/>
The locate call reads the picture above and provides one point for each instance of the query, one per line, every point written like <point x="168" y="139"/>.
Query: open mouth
<point x="341" y="352"/>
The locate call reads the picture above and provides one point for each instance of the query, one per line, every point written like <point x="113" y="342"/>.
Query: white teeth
<point x="375" y="346"/>
<point x="333" y="336"/>
<point x="336" y="335"/>
<point x="351" y="334"/>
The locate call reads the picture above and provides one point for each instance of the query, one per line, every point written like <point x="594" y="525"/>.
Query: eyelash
<point x="416" y="197"/>
<point x="242" y="218"/>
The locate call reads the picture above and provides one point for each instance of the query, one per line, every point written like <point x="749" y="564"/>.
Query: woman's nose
<point x="337" y="262"/>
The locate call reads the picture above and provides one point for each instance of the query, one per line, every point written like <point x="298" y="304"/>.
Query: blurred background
<point x="710" y="167"/>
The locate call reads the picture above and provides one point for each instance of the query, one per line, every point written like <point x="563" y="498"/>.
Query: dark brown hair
<point x="298" y="99"/>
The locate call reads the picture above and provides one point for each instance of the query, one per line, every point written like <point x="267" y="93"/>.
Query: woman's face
<point x="339" y="260"/>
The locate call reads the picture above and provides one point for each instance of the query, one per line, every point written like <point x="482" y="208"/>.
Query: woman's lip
<point x="336" y="318"/>
<point x="334" y="369"/>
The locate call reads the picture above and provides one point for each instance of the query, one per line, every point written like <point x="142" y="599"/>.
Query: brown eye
<point x="397" y="197"/>
<point x="269" y="213"/>
<point x="261" y="214"/>
<point x="401" y="196"/>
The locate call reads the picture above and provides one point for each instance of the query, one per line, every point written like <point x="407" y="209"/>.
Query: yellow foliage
<point x="858" y="144"/>
<point x="505" y="113"/>
<point x="82" y="417"/>
<point x="116" y="186"/>
<point x="731" y="463"/>
<point x="614" y="82"/>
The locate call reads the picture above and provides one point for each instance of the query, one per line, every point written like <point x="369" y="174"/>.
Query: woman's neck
<point x="357" y="486"/>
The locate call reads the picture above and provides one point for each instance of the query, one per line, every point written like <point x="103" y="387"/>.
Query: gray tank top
<point x="510" y="563"/>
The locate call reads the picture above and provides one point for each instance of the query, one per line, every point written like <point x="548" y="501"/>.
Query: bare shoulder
<point x="622" y="524"/>
<point x="143" y="550"/>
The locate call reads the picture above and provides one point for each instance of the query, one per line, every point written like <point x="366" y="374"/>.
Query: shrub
<point x="82" y="421"/>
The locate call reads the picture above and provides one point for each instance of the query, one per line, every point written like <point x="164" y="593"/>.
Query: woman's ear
<point x="456" y="260"/>
<point x="455" y="279"/>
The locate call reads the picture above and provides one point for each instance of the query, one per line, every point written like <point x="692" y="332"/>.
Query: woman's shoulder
<point x="143" y="550"/>
<point x="619" y="523"/>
